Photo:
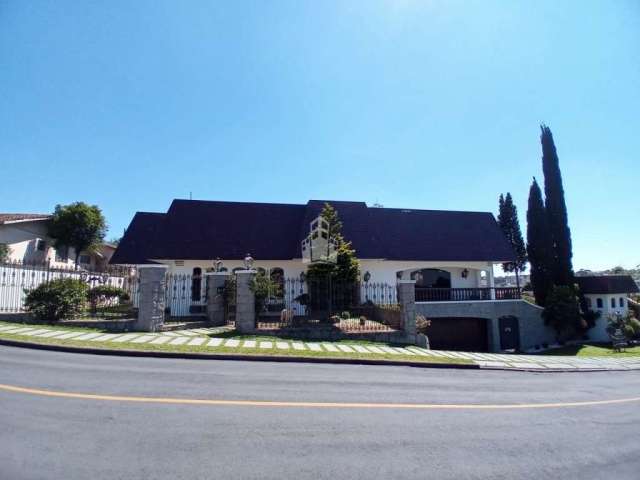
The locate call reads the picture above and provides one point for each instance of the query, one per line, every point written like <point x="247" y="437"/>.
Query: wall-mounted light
<point x="217" y="265"/>
<point x="465" y="273"/>
<point x="303" y="277"/>
<point x="366" y="277"/>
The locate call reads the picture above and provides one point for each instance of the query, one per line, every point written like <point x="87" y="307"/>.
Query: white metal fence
<point x="16" y="279"/>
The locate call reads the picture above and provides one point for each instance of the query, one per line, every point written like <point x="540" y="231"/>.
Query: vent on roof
<point x="179" y="263"/>
<point x="406" y="211"/>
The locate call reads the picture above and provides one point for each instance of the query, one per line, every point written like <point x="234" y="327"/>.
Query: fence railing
<point x="427" y="294"/>
<point x="17" y="278"/>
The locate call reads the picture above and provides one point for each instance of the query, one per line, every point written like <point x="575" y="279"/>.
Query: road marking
<point x="260" y="403"/>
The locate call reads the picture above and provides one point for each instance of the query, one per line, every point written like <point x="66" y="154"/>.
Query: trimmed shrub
<point x="57" y="300"/>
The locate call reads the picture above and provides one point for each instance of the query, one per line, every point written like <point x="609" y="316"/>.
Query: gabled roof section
<point x="607" y="284"/>
<point x="22" y="217"/>
<point x="202" y="230"/>
<point x="142" y="241"/>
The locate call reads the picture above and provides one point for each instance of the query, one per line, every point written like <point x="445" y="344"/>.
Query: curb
<point x="230" y="356"/>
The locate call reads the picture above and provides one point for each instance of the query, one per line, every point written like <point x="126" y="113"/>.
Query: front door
<point x="509" y="333"/>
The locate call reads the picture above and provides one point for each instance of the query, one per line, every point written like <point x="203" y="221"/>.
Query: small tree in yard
<point x="5" y="251"/>
<point x="77" y="225"/>
<point x="56" y="300"/>
<point x="510" y="225"/>
<point x="562" y="312"/>
<point x="263" y="287"/>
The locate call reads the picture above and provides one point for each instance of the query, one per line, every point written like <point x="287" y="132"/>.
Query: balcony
<point x="429" y="294"/>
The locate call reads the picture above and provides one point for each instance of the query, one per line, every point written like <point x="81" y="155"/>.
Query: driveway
<point x="81" y="416"/>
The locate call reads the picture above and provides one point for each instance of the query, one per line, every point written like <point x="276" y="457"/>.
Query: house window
<point x="621" y="302"/>
<point x="589" y="303"/>
<point x="196" y="284"/>
<point x="85" y="259"/>
<point x="41" y="245"/>
<point x="62" y="254"/>
<point x="599" y="303"/>
<point x="613" y="302"/>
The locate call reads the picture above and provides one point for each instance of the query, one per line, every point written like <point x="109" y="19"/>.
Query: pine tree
<point x="510" y="225"/>
<point x="556" y="209"/>
<point x="539" y="247"/>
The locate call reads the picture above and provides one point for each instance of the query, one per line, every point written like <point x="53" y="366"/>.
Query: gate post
<point x="407" y="301"/>
<point x="215" y="297"/>
<point x="245" y="302"/>
<point x="152" y="297"/>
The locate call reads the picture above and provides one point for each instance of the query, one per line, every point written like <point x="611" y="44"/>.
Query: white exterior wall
<point x="598" y="332"/>
<point x="383" y="271"/>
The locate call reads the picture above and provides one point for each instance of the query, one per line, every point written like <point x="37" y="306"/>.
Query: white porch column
<point x="492" y="283"/>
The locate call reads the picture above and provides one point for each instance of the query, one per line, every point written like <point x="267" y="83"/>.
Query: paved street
<point x="47" y="437"/>
<point x="201" y="336"/>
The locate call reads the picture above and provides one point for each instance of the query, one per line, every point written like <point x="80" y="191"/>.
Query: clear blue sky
<point x="422" y="104"/>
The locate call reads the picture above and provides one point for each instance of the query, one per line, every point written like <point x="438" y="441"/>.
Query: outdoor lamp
<point x="248" y="262"/>
<point x="465" y="273"/>
<point x="303" y="277"/>
<point x="366" y="277"/>
<point x="217" y="265"/>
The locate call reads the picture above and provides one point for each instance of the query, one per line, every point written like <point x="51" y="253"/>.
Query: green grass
<point x="226" y="350"/>
<point x="592" y="350"/>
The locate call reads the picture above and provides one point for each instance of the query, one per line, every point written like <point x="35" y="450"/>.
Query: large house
<point x="25" y="235"/>
<point x="439" y="249"/>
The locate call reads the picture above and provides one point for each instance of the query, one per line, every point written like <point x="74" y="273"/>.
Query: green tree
<point x="510" y="225"/>
<point x="77" y="225"/>
<point x="539" y="248"/>
<point x="347" y="267"/>
<point x="556" y="209"/>
<point x="562" y="312"/>
<point x="5" y="251"/>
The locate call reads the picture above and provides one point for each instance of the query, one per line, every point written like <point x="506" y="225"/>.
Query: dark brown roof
<point x="607" y="284"/>
<point x="198" y="230"/>
<point x="17" y="217"/>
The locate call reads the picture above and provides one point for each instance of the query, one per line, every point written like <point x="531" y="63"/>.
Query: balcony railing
<point x="427" y="294"/>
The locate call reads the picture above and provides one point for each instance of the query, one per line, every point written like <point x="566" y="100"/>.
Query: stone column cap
<point x="406" y="281"/>
<point x="152" y="265"/>
<point x="222" y="274"/>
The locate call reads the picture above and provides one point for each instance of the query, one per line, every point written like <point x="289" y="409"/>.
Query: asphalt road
<point x="44" y="437"/>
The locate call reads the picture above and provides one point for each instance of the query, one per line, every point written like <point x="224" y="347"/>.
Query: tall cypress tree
<point x="510" y="225"/>
<point x="556" y="209"/>
<point x="539" y="247"/>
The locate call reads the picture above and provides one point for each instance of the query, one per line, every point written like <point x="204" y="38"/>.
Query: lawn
<point x="223" y="350"/>
<point x="592" y="350"/>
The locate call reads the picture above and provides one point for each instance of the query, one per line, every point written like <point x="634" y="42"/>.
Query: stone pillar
<point x="152" y="296"/>
<point x="245" y="302"/>
<point x="407" y="300"/>
<point x="215" y="297"/>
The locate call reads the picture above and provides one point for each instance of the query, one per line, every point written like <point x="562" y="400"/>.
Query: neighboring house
<point x="607" y="294"/>
<point x="26" y="236"/>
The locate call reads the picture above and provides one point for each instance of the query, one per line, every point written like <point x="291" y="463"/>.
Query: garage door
<point x="466" y="334"/>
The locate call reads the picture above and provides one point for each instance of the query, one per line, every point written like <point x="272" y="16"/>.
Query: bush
<point x="104" y="295"/>
<point x="562" y="312"/>
<point x="56" y="300"/>
<point x="345" y="315"/>
<point x="628" y="324"/>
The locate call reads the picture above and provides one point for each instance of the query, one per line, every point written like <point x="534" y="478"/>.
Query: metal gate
<point x="229" y="297"/>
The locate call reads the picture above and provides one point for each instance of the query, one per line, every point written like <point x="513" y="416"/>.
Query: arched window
<point x="196" y="284"/>
<point x="613" y="302"/>
<point x="599" y="303"/>
<point x="432" y="278"/>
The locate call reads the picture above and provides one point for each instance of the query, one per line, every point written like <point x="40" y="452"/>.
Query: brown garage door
<point x="467" y="334"/>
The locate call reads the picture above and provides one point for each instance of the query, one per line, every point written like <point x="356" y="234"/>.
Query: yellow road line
<point x="259" y="403"/>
